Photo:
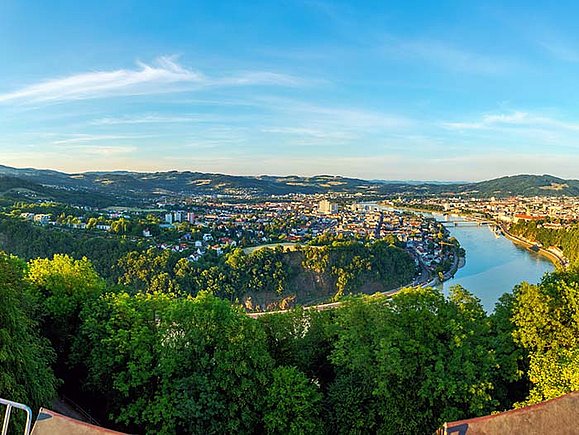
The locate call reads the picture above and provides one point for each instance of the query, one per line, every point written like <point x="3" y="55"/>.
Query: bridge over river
<point x="494" y="264"/>
<point x="467" y="223"/>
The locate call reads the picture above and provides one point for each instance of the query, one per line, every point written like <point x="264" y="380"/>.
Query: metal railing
<point x="9" y="405"/>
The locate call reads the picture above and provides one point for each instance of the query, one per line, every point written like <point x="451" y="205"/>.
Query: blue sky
<point x="448" y="90"/>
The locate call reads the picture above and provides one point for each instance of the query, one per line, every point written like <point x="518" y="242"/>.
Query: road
<point x="323" y="307"/>
<point x="423" y="280"/>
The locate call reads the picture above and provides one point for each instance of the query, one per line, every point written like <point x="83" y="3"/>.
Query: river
<point x="494" y="265"/>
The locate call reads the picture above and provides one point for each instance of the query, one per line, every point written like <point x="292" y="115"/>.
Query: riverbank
<point x="494" y="265"/>
<point x="557" y="260"/>
<point x="457" y="264"/>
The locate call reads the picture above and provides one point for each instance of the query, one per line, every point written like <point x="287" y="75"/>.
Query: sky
<point x="421" y="90"/>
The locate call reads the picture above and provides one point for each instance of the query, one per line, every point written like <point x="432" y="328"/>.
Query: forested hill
<point x="524" y="185"/>
<point x="136" y="186"/>
<point x="145" y="185"/>
<point x="264" y="279"/>
<point x="20" y="188"/>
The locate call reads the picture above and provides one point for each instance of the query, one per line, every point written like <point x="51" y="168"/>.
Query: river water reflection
<point x="494" y="265"/>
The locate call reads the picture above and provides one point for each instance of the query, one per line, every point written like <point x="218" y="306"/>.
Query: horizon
<point x="376" y="92"/>
<point x="257" y="175"/>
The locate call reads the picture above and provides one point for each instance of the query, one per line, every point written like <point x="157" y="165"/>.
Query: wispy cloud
<point x="91" y="138"/>
<point x="308" y="132"/>
<point x="297" y="123"/>
<point x="447" y="56"/>
<point x="561" y="50"/>
<point x="346" y="118"/>
<point x="513" y="119"/>
<point x="154" y="119"/>
<point x="105" y="151"/>
<point x="162" y="76"/>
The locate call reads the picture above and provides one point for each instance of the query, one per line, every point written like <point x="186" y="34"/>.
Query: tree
<point x="91" y="223"/>
<point x="292" y="403"/>
<point x="511" y="382"/>
<point x="414" y="360"/>
<point x="64" y="286"/>
<point x="546" y="319"/>
<point x="143" y="271"/>
<point x="25" y="357"/>
<point x="176" y="365"/>
<point x="353" y="406"/>
<point x="304" y="339"/>
<point x="29" y="241"/>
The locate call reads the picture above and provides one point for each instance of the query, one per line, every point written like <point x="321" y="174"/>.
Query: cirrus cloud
<point x="513" y="119"/>
<point x="164" y="75"/>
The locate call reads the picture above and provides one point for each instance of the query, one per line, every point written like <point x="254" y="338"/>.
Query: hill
<point x="18" y="189"/>
<point x="525" y="185"/>
<point x="141" y="185"/>
<point x="124" y="187"/>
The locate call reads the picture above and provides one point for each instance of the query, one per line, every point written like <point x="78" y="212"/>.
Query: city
<point x="298" y="217"/>
<point x="218" y="227"/>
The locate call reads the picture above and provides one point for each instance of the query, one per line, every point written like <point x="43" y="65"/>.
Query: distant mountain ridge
<point x="525" y="185"/>
<point x="126" y="186"/>
<point x="19" y="188"/>
<point x="140" y="184"/>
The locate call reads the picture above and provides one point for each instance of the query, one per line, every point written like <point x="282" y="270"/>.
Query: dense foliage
<point x="63" y="286"/>
<point x="198" y="365"/>
<point x="546" y="320"/>
<point x="30" y="241"/>
<point x="344" y="266"/>
<point x="178" y="365"/>
<point x="25" y="356"/>
<point x="158" y="361"/>
<point x="351" y="263"/>
<point x="566" y="239"/>
<point x="416" y="359"/>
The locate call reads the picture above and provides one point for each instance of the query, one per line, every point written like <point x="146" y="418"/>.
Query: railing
<point x="84" y="414"/>
<point x="9" y="405"/>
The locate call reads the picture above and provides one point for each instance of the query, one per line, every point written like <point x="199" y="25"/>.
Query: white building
<point x="42" y="218"/>
<point x="327" y="207"/>
<point x="179" y="215"/>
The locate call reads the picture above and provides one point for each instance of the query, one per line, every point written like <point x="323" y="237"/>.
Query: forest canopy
<point x="166" y="362"/>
